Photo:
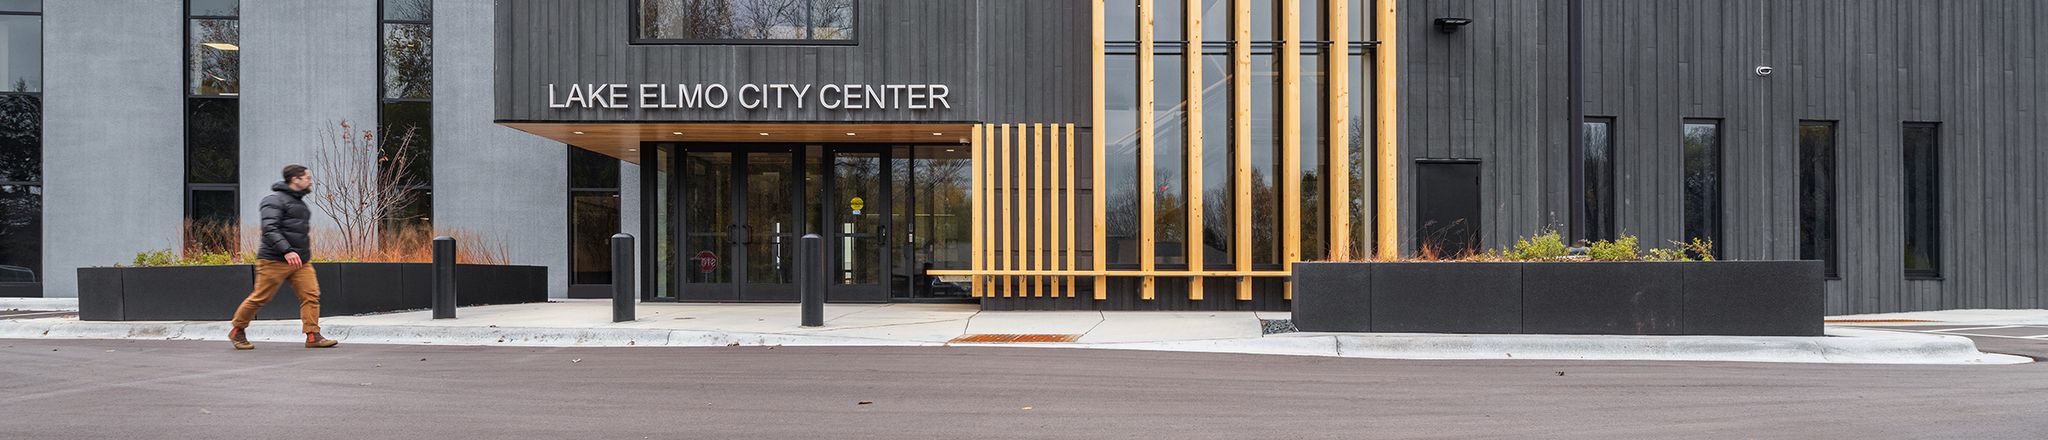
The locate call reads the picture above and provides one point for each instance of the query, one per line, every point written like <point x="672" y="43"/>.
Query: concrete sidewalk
<point x="587" y="323"/>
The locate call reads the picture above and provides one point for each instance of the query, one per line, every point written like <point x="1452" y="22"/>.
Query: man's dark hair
<point x="293" y="170"/>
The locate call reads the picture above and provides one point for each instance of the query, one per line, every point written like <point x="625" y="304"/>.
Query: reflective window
<point x="21" y="138"/>
<point x="405" y="113"/>
<point x="1817" y="189"/>
<point x="766" y="20"/>
<point x="1216" y="16"/>
<point x="1169" y="161"/>
<point x="212" y="139"/>
<point x="1121" y="154"/>
<point x="21" y="233"/>
<point x="214" y="8"/>
<point x="1167" y="20"/>
<point x="1314" y="220"/>
<point x="1265" y="153"/>
<point x="1922" y="142"/>
<point x="409" y="133"/>
<point x="1219" y="220"/>
<point x="1361" y="151"/>
<point x="216" y="53"/>
<point x="408" y="10"/>
<point x="21" y="36"/>
<point x="28" y="6"/>
<point x="212" y="124"/>
<point x="408" y="61"/>
<point x="1599" y="157"/>
<point x="1702" y="144"/>
<point x="594" y="215"/>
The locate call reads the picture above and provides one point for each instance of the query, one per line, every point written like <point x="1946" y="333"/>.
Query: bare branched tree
<point x="360" y="183"/>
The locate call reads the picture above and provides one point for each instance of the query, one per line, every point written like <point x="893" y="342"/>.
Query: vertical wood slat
<point x="987" y="196"/>
<point x="975" y="181"/>
<point x="1193" y="147"/>
<point x="1385" y="98"/>
<point x="1067" y="154"/>
<point x="1098" y="233"/>
<point x="1146" y="96"/>
<point x="1010" y="214"/>
<point x="1052" y="204"/>
<point x="1338" y="58"/>
<point x="1290" y="138"/>
<point x="1034" y="152"/>
<point x="1241" y="146"/>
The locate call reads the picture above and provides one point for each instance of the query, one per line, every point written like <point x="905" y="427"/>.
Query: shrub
<point x="1548" y="246"/>
<point x="1622" y="249"/>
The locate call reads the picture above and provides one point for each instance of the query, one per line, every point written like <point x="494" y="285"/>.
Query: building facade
<point x="1052" y="154"/>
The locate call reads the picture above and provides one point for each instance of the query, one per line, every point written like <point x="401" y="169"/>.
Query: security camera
<point x="1763" y="70"/>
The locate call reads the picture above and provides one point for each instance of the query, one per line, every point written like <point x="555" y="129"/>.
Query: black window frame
<point x="616" y="190"/>
<point x="1716" y="219"/>
<point x="1603" y="205"/>
<point x="1826" y="247"/>
<point x="425" y="184"/>
<point x="1933" y="196"/>
<point x="186" y="88"/>
<point x="633" y="37"/>
<point x="37" y="270"/>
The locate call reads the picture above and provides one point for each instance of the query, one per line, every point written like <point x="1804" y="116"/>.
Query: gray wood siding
<point x="1004" y="61"/>
<point x="1497" y="91"/>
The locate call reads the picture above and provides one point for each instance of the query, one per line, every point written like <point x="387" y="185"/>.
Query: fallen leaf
<point x="1560" y="373"/>
<point x="575" y="361"/>
<point x="735" y="344"/>
<point x="866" y="402"/>
<point x="204" y="411"/>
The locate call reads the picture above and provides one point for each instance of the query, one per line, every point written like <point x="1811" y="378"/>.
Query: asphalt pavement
<point x="204" y="389"/>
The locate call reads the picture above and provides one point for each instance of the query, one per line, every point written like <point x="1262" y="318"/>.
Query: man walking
<point x="285" y="254"/>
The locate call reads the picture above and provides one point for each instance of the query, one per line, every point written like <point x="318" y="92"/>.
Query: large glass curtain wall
<point x="1172" y="59"/>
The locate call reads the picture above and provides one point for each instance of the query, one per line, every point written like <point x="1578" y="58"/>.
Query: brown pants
<point x="271" y="274"/>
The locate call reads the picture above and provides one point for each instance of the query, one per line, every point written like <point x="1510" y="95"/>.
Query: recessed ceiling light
<point x="764" y="133"/>
<point x="677" y="133"/>
<point x="632" y="149"/>
<point x="577" y="132"/>
<point x="949" y="150"/>
<point x="849" y="133"/>
<point x="938" y="134"/>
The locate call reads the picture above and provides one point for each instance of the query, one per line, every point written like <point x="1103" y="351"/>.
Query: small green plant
<point x="1548" y="246"/>
<point x="156" y="258"/>
<point x="1703" y="249"/>
<point x="1622" y="249"/>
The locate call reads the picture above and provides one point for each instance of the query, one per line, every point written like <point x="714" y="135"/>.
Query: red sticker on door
<point x="707" y="261"/>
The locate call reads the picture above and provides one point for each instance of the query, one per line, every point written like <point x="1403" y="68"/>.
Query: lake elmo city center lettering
<point x="751" y="96"/>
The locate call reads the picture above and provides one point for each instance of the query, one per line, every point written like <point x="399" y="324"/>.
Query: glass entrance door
<point x="741" y="212"/>
<point x="857" y="207"/>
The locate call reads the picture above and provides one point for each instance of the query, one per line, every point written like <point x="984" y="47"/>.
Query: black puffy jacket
<point x="285" y="222"/>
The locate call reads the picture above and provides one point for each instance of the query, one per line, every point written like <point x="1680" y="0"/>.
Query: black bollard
<point x="810" y="278"/>
<point x="444" y="277"/>
<point x="622" y="277"/>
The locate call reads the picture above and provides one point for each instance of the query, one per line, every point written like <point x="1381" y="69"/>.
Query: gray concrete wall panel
<point x="501" y="183"/>
<point x="113" y="134"/>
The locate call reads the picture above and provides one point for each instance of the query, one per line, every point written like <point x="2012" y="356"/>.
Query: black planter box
<point x="211" y="293"/>
<point x="1737" y="298"/>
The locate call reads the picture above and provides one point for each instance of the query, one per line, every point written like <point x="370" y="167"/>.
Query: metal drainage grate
<point x="1013" y="338"/>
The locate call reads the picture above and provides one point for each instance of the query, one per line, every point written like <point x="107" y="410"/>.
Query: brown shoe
<point x="313" y="340"/>
<point x="241" y="339"/>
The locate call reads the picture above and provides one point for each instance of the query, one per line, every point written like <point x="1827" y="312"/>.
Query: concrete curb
<point x="40" y="304"/>
<point x="1842" y="346"/>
